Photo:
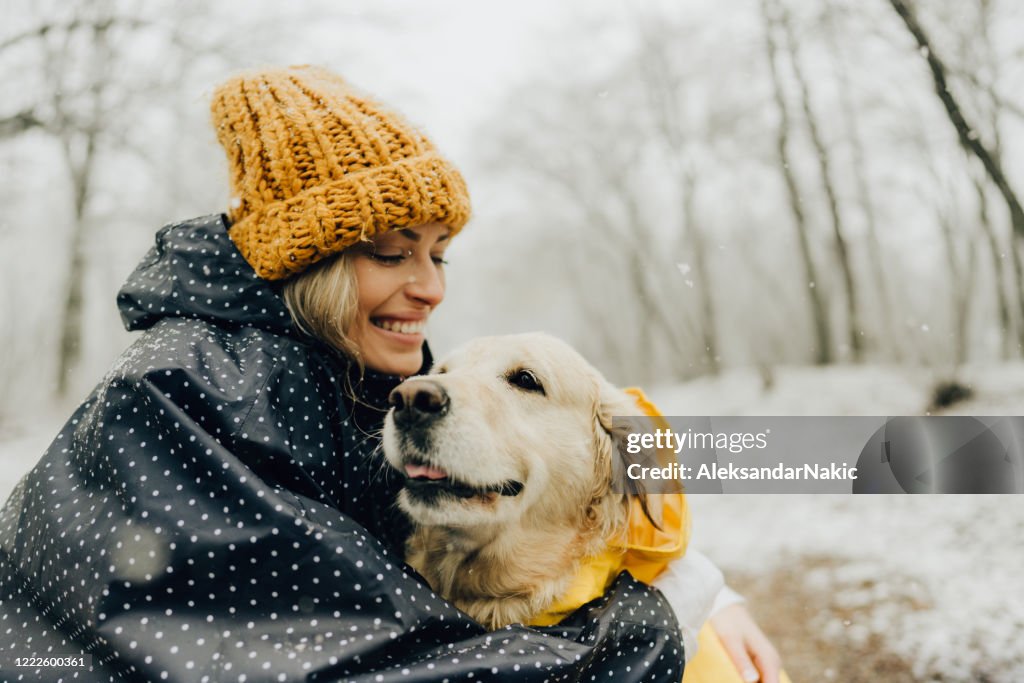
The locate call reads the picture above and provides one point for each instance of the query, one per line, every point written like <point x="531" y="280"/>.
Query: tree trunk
<point x="71" y="318"/>
<point x="654" y="301"/>
<point x="998" y="272"/>
<point x="1018" y="276"/>
<point x="662" y="88"/>
<point x="708" y="326"/>
<point x="993" y="66"/>
<point x="964" y="312"/>
<point x="819" y="316"/>
<point x="855" y="332"/>
<point x="863" y="191"/>
<point x="960" y="286"/>
<point x="80" y="163"/>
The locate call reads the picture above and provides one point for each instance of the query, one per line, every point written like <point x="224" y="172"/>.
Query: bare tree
<point x="620" y="149"/>
<point x="75" y="104"/>
<point x="83" y="89"/>
<point x="970" y="138"/>
<point x="821" y="153"/>
<point x="865" y="200"/>
<point x="942" y="191"/>
<point x="987" y="99"/>
<point x="664" y="85"/>
<point x="819" y="316"/>
<point x="967" y="133"/>
<point x="999" y="278"/>
<point x="961" y="276"/>
<point x="593" y="178"/>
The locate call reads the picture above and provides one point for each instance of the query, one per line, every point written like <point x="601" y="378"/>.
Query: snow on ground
<point x="937" y="577"/>
<point x="842" y="390"/>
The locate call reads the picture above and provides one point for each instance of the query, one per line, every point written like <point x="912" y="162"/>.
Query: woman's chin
<point x="388" y="352"/>
<point x="402" y="364"/>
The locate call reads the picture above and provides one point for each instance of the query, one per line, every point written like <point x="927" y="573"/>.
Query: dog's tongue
<point x="424" y="472"/>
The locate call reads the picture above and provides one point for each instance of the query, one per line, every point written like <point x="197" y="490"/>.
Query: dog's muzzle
<point x="417" y="405"/>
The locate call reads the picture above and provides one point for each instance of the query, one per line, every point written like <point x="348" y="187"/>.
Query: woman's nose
<point x="426" y="283"/>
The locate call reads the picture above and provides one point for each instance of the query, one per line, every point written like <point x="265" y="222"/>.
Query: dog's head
<point x="505" y="429"/>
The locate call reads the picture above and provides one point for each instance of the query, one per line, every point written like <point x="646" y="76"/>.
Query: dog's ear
<point x="617" y="416"/>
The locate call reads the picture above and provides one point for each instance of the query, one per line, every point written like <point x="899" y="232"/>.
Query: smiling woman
<point x="373" y="300"/>
<point x="218" y="509"/>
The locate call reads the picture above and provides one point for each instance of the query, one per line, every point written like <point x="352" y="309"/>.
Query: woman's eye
<point x="392" y="259"/>
<point x="439" y="260"/>
<point x="526" y="380"/>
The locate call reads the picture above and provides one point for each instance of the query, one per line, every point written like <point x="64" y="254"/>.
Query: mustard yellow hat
<point x="316" y="167"/>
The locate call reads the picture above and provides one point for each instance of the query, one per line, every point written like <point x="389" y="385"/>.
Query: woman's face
<point x="400" y="278"/>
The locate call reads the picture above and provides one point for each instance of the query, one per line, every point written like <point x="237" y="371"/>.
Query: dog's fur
<point x="534" y="466"/>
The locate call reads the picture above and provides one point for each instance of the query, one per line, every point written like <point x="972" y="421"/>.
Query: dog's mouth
<point x="427" y="482"/>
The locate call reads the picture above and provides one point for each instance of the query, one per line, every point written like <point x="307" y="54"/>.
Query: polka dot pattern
<point x="217" y="510"/>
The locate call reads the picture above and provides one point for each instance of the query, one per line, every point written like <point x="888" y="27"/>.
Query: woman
<point x="215" y="510"/>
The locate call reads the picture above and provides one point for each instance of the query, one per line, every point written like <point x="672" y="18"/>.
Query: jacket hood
<point x="195" y="271"/>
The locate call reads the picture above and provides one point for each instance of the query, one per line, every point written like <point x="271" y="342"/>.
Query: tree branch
<point x="12" y="126"/>
<point x="967" y="134"/>
<point x="45" y="29"/>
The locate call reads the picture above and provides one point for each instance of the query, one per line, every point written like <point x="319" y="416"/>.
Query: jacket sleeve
<point x="158" y="535"/>
<point x="691" y="585"/>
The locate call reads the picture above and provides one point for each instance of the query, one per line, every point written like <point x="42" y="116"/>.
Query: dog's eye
<point x="524" y="379"/>
<point x="441" y="370"/>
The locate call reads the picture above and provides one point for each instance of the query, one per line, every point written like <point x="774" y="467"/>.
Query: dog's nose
<point x="418" y="401"/>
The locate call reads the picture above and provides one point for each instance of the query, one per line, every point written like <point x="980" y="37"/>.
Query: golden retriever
<point x="507" y="449"/>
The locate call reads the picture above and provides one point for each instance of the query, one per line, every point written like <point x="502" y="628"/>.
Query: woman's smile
<point x="400" y="281"/>
<point x="405" y="328"/>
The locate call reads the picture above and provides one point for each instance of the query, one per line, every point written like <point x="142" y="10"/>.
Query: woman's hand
<point x="753" y="654"/>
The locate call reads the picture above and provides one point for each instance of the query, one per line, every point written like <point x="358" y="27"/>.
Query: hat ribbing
<point x="316" y="167"/>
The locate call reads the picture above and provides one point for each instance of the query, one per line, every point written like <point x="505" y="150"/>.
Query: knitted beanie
<point x="316" y="167"/>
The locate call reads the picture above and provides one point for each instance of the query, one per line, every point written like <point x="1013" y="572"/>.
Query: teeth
<point x="402" y="327"/>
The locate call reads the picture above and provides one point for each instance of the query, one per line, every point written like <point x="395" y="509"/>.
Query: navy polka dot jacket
<point x="217" y="510"/>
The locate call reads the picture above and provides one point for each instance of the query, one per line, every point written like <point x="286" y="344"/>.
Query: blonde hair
<point x="323" y="301"/>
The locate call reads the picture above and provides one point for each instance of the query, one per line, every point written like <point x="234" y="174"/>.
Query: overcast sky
<point x="443" y="63"/>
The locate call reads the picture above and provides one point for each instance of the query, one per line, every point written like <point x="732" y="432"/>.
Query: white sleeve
<point x="726" y="597"/>
<point x="692" y="585"/>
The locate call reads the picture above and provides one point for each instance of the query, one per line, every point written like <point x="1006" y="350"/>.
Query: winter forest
<point x="806" y="206"/>
<point x="680" y="190"/>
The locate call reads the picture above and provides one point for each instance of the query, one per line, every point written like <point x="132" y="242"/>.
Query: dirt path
<point x="821" y="640"/>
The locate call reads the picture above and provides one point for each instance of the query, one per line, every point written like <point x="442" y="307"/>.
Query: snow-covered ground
<point x="843" y="390"/>
<point x="937" y="578"/>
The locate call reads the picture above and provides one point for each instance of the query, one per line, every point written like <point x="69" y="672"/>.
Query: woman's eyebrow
<point x="415" y="236"/>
